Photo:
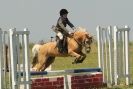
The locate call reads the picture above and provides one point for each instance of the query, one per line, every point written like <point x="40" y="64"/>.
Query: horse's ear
<point x="89" y="36"/>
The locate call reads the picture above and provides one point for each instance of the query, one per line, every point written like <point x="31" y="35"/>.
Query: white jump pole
<point x="115" y="54"/>
<point x="127" y="54"/>
<point x="1" y="62"/>
<point x="13" y="59"/>
<point x="109" y="36"/>
<point x="27" y="58"/>
<point x="99" y="45"/>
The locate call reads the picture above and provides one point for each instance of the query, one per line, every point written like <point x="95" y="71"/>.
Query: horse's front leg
<point x="78" y="57"/>
<point x="83" y="56"/>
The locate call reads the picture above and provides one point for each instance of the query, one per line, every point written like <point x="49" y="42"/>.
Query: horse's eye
<point x="89" y="41"/>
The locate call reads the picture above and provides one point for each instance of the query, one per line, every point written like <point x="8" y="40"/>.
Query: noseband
<point x="87" y="46"/>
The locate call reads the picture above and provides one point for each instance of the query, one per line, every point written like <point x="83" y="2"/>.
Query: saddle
<point x="62" y="45"/>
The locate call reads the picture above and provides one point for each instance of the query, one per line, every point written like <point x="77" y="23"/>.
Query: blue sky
<point x="39" y="15"/>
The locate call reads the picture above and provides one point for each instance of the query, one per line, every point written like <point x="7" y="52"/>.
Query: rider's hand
<point x="69" y="32"/>
<point x="73" y="28"/>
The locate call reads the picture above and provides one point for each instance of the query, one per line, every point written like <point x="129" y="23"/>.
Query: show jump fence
<point x="113" y="54"/>
<point x="20" y="78"/>
<point x="14" y="40"/>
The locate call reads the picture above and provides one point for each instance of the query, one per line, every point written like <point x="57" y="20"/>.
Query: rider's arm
<point x="70" y="24"/>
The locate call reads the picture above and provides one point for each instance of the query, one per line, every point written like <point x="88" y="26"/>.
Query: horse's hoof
<point x="75" y="62"/>
<point x="79" y="61"/>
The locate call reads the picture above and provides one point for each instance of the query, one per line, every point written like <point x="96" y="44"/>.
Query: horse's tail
<point x="35" y="50"/>
<point x="34" y="61"/>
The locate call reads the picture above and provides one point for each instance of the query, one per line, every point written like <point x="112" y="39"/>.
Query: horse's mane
<point x="41" y="42"/>
<point x="80" y="29"/>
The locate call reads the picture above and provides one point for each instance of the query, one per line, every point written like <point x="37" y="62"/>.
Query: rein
<point x="81" y="44"/>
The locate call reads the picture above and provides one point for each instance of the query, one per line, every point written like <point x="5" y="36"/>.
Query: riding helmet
<point x="63" y="11"/>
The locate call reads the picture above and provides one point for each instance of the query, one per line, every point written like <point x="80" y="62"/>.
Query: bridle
<point x="80" y="43"/>
<point x="86" y="43"/>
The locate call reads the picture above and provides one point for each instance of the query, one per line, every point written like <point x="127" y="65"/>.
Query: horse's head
<point x="83" y="38"/>
<point x="88" y="43"/>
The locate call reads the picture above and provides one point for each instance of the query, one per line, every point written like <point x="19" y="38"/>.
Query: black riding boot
<point x="60" y="45"/>
<point x="65" y="45"/>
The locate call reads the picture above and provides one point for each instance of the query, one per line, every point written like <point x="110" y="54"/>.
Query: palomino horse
<point x="47" y="52"/>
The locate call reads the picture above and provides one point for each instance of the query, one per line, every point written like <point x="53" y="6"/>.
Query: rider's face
<point x="64" y="16"/>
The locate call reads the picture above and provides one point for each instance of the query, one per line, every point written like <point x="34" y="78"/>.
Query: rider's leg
<point x="60" y="42"/>
<point x="60" y="45"/>
<point x="65" y="45"/>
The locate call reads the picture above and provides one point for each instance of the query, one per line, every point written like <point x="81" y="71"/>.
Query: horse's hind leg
<point x="49" y="61"/>
<point x="42" y="58"/>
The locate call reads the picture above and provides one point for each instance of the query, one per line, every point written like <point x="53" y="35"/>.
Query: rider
<point x="62" y="30"/>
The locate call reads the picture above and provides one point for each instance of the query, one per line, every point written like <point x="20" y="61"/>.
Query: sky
<point x="39" y="15"/>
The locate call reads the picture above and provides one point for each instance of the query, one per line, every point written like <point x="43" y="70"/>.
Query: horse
<point x="48" y="51"/>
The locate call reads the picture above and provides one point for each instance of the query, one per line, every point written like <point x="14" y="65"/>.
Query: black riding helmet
<point x="63" y="11"/>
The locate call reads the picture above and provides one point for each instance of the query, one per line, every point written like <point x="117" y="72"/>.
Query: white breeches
<point x="60" y="35"/>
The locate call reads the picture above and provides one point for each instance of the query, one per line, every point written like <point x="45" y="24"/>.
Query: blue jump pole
<point x="34" y="73"/>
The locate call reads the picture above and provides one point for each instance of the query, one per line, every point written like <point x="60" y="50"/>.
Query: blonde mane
<point x="80" y="29"/>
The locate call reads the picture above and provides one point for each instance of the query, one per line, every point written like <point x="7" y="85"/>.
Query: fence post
<point x="27" y="59"/>
<point x="99" y="45"/>
<point x="13" y="58"/>
<point x="1" y="62"/>
<point x="115" y="54"/>
<point x="127" y="54"/>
